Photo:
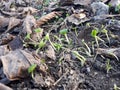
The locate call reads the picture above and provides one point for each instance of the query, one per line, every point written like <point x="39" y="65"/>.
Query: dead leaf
<point x="12" y="23"/>
<point x="4" y="87"/>
<point x="6" y="38"/>
<point x="28" y="24"/>
<point x="66" y="2"/>
<point x="46" y="18"/>
<point x="83" y="2"/>
<point x="16" y="64"/>
<point x="3" y="50"/>
<point x="3" y="22"/>
<point x="50" y="52"/>
<point x="29" y="9"/>
<point x="77" y="18"/>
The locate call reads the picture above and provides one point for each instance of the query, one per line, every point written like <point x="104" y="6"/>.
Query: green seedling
<point x="27" y="36"/>
<point x="64" y="32"/>
<point x="57" y="46"/>
<point x="47" y="37"/>
<point x="37" y="30"/>
<point x="108" y="66"/>
<point x="116" y="87"/>
<point x="75" y="29"/>
<point x="87" y="50"/>
<point x="106" y="33"/>
<point x="31" y="69"/>
<point x="80" y="57"/>
<point x="117" y="8"/>
<point x="94" y="35"/>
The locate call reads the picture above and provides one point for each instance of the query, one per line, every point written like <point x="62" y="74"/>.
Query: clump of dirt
<point x="59" y="45"/>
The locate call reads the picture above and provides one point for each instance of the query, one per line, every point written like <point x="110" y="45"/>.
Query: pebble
<point x="99" y="8"/>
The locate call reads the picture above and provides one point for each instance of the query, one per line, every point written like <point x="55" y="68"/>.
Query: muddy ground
<point x="77" y="47"/>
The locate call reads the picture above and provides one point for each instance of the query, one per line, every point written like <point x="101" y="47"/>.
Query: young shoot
<point x="31" y="69"/>
<point x="94" y="35"/>
<point x="108" y="66"/>
<point x="106" y="33"/>
<point x="47" y="37"/>
<point x="64" y="32"/>
<point x="80" y="57"/>
<point x="116" y="87"/>
<point x="88" y="51"/>
<point x="57" y="46"/>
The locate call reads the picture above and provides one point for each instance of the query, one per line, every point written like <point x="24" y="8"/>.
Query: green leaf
<point x="47" y="36"/>
<point x="57" y="46"/>
<point x="80" y="57"/>
<point x="63" y="31"/>
<point x="41" y="44"/>
<point x="37" y="30"/>
<point x="32" y="68"/>
<point x="27" y="36"/>
<point x="94" y="33"/>
<point x="104" y="31"/>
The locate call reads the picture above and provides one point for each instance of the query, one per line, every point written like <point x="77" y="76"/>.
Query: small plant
<point x="87" y="49"/>
<point x="106" y="33"/>
<point x="57" y="46"/>
<point x="31" y="69"/>
<point x="64" y="32"/>
<point x="94" y="35"/>
<point x="108" y="66"/>
<point x="117" y="8"/>
<point x="116" y="87"/>
<point x="80" y="57"/>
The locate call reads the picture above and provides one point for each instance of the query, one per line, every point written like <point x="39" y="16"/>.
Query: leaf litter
<point x="30" y="59"/>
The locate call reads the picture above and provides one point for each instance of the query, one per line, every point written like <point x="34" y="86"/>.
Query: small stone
<point x="99" y="8"/>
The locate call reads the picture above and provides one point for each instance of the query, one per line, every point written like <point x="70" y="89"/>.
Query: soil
<point x="64" y="70"/>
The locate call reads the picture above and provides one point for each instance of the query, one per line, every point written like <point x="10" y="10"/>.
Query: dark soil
<point x="65" y="72"/>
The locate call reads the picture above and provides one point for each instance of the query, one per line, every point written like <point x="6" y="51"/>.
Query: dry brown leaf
<point x="46" y="18"/>
<point x="50" y="52"/>
<point x="3" y="50"/>
<point x="6" y="38"/>
<point x="83" y="2"/>
<point x="4" y="87"/>
<point x="3" y="22"/>
<point x="77" y="18"/>
<point x="28" y="24"/>
<point x="13" y="22"/>
<point x="29" y="9"/>
<point x="76" y="2"/>
<point x="16" y="64"/>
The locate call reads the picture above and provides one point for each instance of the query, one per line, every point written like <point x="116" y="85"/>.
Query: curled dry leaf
<point x="77" y="18"/>
<point x="16" y="64"/>
<point x="28" y="24"/>
<point x="21" y="11"/>
<point x="28" y="9"/>
<point x="3" y="22"/>
<point x="12" y="23"/>
<point x="50" y="52"/>
<point x="46" y="18"/>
